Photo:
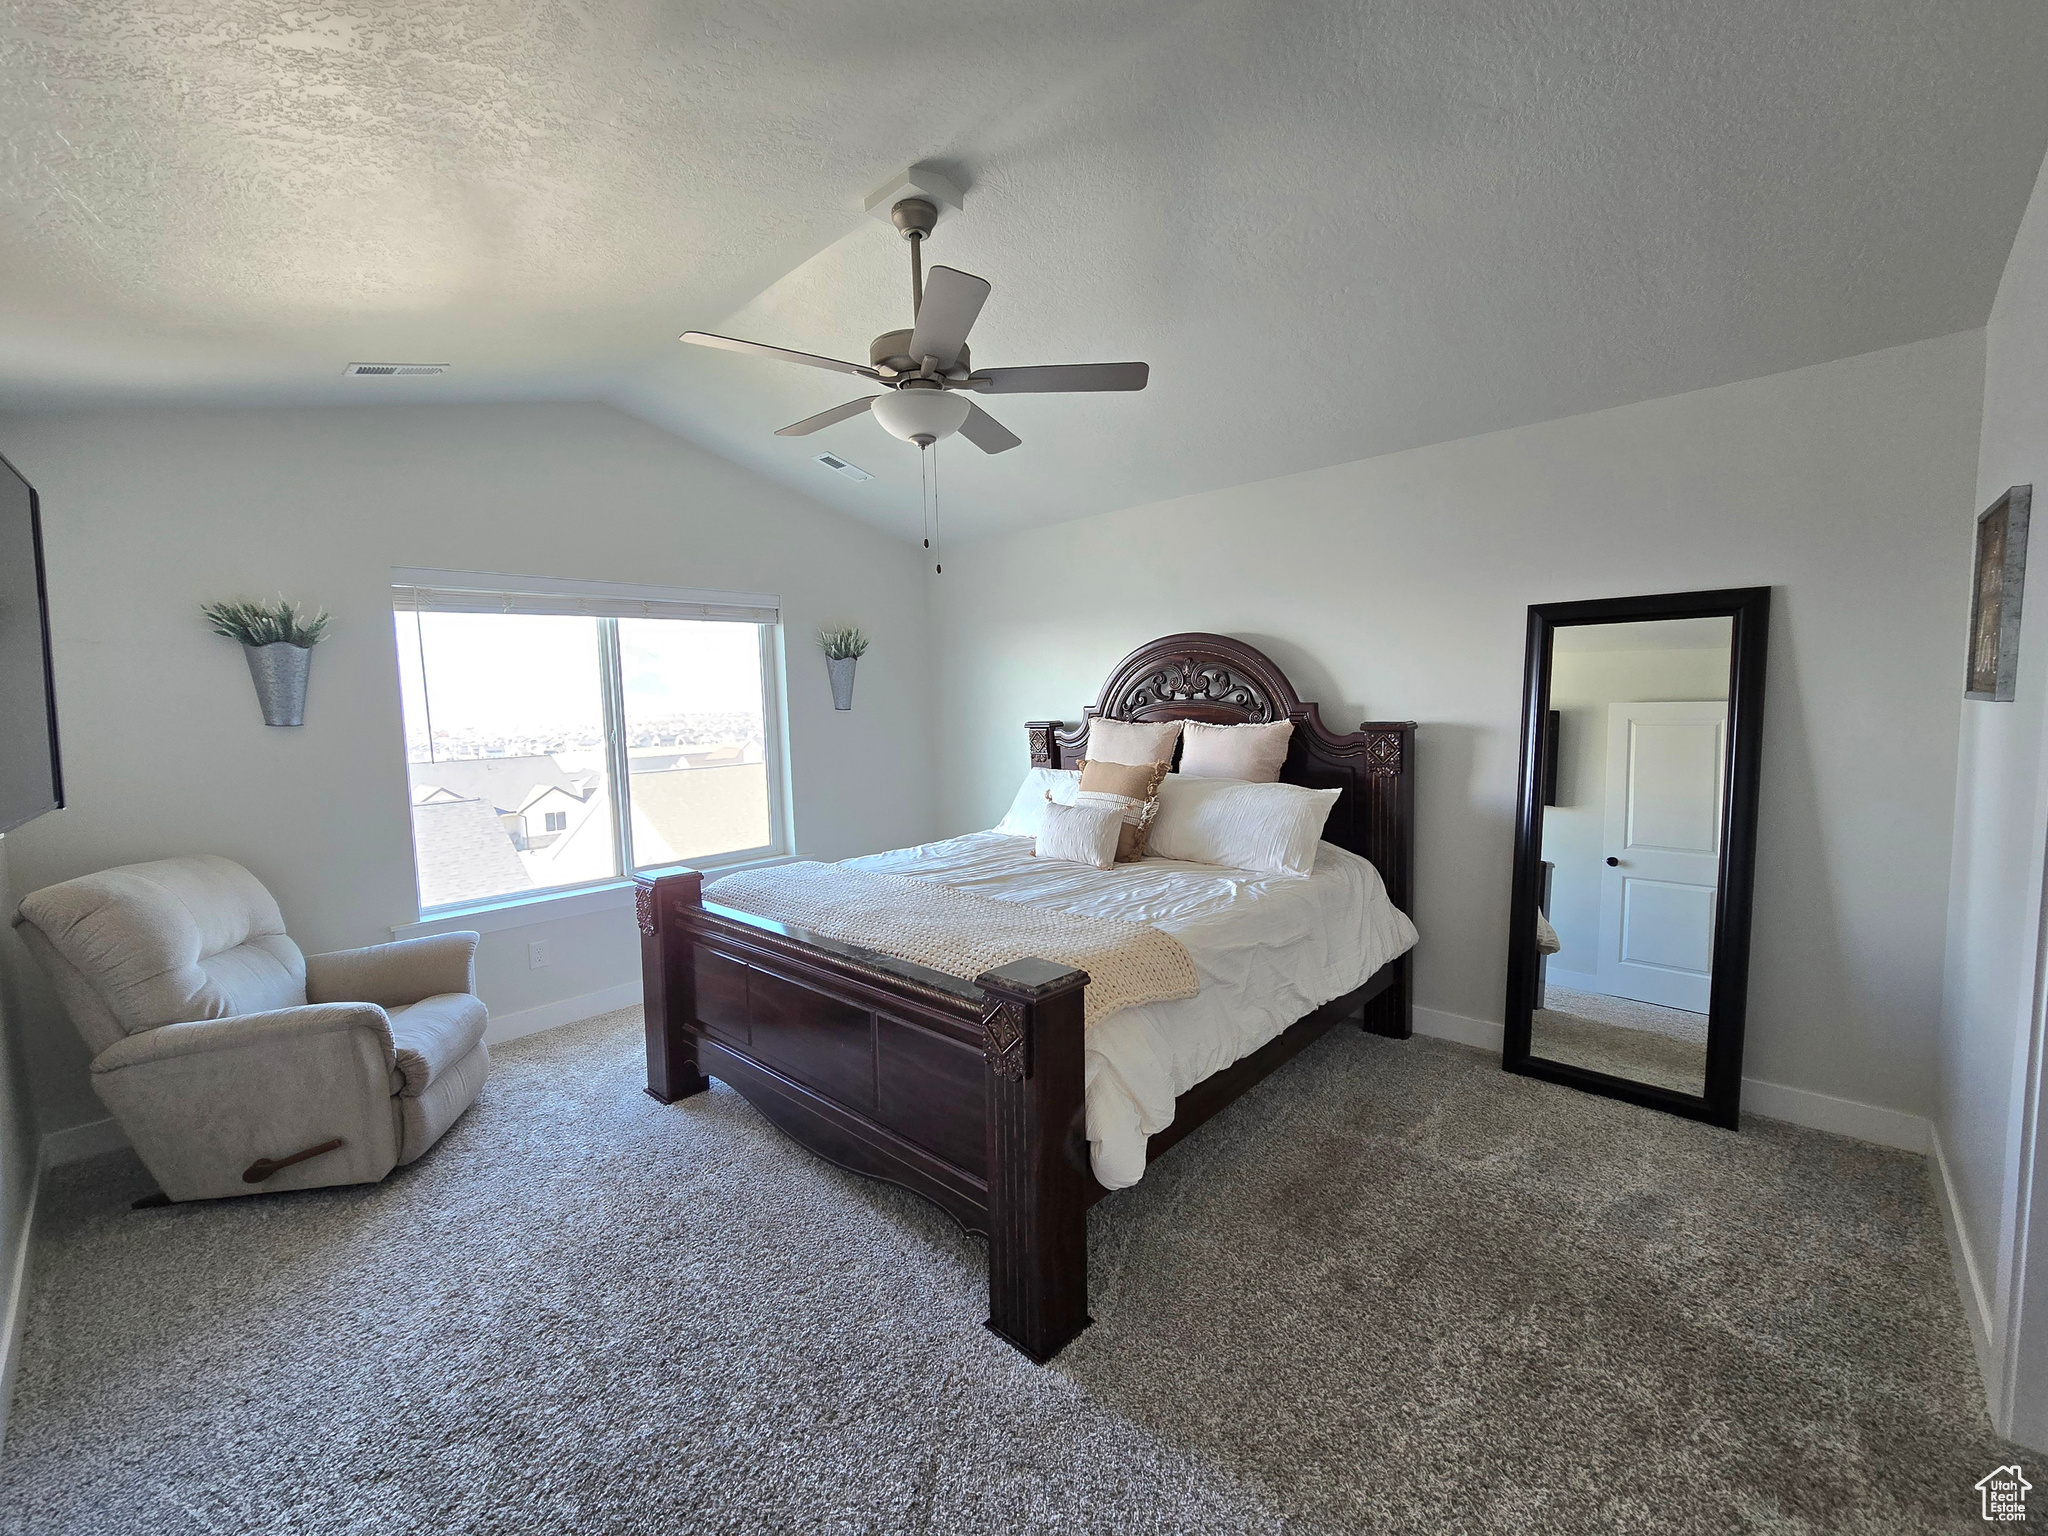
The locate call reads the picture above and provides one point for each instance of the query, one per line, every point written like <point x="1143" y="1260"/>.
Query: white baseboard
<point x="76" y="1142"/>
<point x="14" y="1314"/>
<point x="1577" y="981"/>
<point x="531" y="1021"/>
<point x="1976" y="1299"/>
<point x="1845" y="1117"/>
<point x="1438" y="1025"/>
<point x="1774" y="1101"/>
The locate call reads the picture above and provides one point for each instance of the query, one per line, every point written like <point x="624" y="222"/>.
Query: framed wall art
<point x="2001" y="574"/>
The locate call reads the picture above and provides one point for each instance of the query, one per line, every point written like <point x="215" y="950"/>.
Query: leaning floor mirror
<point x="1635" y="844"/>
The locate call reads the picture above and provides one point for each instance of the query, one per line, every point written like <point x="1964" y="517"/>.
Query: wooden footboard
<point x="968" y="1093"/>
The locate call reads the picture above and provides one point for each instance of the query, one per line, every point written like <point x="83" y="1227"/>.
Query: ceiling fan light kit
<point x="921" y="416"/>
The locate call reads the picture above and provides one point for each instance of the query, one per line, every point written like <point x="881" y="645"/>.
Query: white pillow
<point x="1271" y="829"/>
<point x="1080" y="834"/>
<point x="1123" y="741"/>
<point x="1026" y="815"/>
<point x="1251" y="752"/>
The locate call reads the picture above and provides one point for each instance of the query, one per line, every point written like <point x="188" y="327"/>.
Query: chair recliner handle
<point x="264" y="1167"/>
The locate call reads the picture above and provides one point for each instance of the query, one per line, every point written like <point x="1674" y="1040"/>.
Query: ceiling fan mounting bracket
<point x="918" y="186"/>
<point x="914" y="217"/>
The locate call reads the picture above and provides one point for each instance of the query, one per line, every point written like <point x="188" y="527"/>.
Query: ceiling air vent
<point x="839" y="466"/>
<point x="393" y="370"/>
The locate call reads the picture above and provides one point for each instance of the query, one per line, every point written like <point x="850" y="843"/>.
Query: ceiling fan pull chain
<point x="924" y="498"/>
<point x="938" y="568"/>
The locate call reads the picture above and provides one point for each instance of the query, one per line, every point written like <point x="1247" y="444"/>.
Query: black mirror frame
<point x="1750" y="609"/>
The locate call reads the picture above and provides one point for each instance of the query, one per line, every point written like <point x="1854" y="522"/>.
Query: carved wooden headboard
<point x="1226" y="682"/>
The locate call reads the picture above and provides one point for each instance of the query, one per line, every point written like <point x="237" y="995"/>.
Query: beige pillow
<point x="1080" y="834"/>
<point x="1133" y="788"/>
<point x="1122" y="741"/>
<point x="1253" y="753"/>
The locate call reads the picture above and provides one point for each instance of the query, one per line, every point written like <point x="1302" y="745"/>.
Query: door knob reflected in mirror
<point x="1613" y="863"/>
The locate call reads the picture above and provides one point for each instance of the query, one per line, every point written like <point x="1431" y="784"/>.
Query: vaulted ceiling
<point x="1334" y="230"/>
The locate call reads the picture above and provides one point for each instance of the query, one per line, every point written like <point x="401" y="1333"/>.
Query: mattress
<point x="1267" y="948"/>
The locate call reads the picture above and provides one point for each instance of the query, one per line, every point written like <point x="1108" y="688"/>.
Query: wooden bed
<point x="969" y="1092"/>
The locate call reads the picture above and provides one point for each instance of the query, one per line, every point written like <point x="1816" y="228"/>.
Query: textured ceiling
<point x="1334" y="230"/>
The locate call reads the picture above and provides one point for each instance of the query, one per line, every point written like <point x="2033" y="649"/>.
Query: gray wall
<point x="1396" y="588"/>
<point x="148" y="513"/>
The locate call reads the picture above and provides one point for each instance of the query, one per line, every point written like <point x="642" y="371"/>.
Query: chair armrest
<point x="203" y="1036"/>
<point x="394" y="975"/>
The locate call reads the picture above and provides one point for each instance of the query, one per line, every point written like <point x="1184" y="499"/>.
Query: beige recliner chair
<point x="237" y="1064"/>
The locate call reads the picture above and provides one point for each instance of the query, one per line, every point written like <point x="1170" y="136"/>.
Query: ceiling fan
<point x="926" y="369"/>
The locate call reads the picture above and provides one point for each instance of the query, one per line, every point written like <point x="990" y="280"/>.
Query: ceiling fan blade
<point x="951" y="301"/>
<point x="808" y="359"/>
<point x="838" y="413"/>
<point x="1059" y="378"/>
<point x="985" y="432"/>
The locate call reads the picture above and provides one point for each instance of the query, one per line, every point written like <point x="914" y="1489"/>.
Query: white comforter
<point x="1268" y="949"/>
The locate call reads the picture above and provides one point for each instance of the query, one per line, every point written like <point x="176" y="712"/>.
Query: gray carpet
<point x="1631" y="1053"/>
<point x="1627" y="1013"/>
<point x="1394" y="1289"/>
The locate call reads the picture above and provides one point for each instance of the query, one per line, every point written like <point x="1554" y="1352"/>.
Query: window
<point x="563" y="733"/>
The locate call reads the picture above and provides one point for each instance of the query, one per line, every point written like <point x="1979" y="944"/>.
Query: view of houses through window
<point x="519" y="726"/>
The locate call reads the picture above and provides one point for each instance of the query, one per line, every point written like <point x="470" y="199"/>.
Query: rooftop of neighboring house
<point x="464" y="853"/>
<point x="508" y="783"/>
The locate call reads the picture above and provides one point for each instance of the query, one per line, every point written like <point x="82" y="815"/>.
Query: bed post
<point x="1033" y="1014"/>
<point x="1392" y="1013"/>
<point x="1042" y="738"/>
<point x="1384" y="816"/>
<point x="668" y="983"/>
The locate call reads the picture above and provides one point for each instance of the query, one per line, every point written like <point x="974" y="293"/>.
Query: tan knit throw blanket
<point x="963" y="934"/>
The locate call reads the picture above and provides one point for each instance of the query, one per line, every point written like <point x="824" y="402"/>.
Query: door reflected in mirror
<point x="1631" y="846"/>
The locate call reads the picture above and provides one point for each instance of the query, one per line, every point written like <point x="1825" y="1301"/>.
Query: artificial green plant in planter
<point x="843" y="648"/>
<point x="278" y="641"/>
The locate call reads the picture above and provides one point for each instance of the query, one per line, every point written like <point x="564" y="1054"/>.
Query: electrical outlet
<point x="536" y="954"/>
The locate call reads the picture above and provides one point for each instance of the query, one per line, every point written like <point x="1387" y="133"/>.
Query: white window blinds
<point x="429" y="591"/>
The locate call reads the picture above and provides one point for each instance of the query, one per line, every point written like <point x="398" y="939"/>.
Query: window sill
<point x="552" y="906"/>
